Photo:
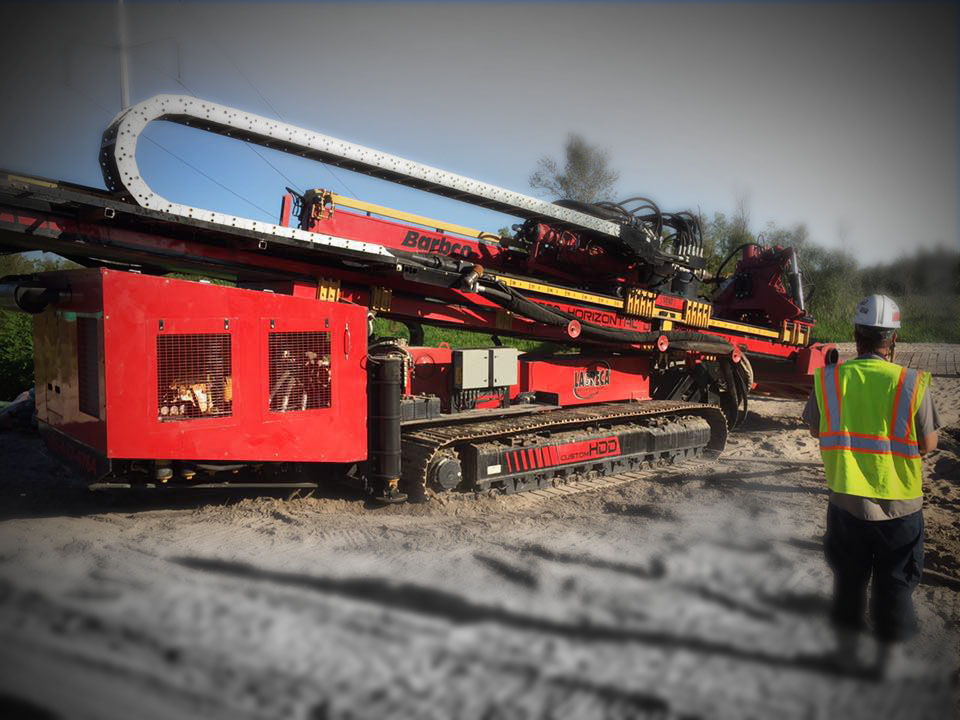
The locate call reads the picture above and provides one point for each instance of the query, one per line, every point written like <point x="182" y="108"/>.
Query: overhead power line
<point x="267" y="213"/>
<point x="256" y="152"/>
<point x="223" y="51"/>
<point x="94" y="102"/>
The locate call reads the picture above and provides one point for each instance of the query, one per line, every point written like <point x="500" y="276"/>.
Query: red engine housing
<point x="137" y="367"/>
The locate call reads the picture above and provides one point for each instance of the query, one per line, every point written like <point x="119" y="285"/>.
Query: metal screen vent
<point x="194" y="377"/>
<point x="88" y="366"/>
<point x="299" y="371"/>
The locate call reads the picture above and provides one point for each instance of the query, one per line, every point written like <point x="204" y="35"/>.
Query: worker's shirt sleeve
<point x="927" y="419"/>
<point x="811" y="411"/>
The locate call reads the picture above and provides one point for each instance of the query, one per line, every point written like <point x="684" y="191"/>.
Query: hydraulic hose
<point x="511" y="300"/>
<point x="718" y="275"/>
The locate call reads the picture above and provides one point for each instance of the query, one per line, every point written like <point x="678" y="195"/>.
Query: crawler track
<point x="422" y="446"/>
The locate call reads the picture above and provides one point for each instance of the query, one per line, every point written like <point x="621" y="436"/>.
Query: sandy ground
<point x="695" y="592"/>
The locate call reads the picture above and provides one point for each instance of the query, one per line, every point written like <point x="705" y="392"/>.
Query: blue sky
<point x="840" y="116"/>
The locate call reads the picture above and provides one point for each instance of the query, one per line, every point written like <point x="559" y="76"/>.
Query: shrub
<point x="16" y="354"/>
<point x="16" y="329"/>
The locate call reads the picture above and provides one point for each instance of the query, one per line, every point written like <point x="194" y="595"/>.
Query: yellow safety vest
<point x="868" y="441"/>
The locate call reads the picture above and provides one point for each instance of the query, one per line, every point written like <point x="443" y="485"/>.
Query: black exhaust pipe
<point x="386" y="386"/>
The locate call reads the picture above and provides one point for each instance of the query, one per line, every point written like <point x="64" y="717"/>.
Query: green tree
<point x="586" y="174"/>
<point x="16" y="328"/>
<point x="831" y="277"/>
<point x="831" y="280"/>
<point x="722" y="235"/>
<point x="933" y="271"/>
<point x="16" y="354"/>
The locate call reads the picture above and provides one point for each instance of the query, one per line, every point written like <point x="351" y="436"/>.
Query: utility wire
<point x="190" y="90"/>
<point x="278" y="171"/>
<point x="174" y="155"/>
<point x="216" y="43"/>
<point x="223" y="51"/>
<point x="267" y="213"/>
<point x="89" y="99"/>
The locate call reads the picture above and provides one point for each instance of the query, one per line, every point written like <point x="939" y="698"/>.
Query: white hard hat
<point x="877" y="311"/>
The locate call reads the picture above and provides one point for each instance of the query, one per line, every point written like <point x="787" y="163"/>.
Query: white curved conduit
<point x="118" y="161"/>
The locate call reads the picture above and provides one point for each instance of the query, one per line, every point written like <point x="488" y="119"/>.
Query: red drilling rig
<point x="147" y="380"/>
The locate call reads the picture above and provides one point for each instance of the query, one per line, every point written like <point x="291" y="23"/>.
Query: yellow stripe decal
<point x="670" y="316"/>
<point x="746" y="329"/>
<point x="31" y="181"/>
<point x="439" y="225"/>
<point x="558" y="291"/>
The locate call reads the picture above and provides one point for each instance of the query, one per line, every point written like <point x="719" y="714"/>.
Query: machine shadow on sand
<point x="449" y="607"/>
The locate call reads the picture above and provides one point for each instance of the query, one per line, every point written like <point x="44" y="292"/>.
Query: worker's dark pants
<point x="893" y="551"/>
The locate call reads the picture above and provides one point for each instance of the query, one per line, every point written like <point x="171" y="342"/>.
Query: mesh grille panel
<point x="88" y="366"/>
<point x="194" y="377"/>
<point x="299" y="371"/>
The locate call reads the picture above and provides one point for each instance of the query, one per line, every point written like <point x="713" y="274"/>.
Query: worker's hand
<point x="927" y="443"/>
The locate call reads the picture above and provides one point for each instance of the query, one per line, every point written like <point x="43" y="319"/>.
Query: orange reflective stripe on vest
<point x="868" y="444"/>
<point x="867" y="437"/>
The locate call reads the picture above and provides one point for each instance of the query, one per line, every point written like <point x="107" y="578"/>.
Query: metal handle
<point x="346" y="340"/>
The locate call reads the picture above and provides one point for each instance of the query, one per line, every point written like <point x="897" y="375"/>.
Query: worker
<point x="874" y="420"/>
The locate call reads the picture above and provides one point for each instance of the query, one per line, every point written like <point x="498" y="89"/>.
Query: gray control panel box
<point x="471" y="369"/>
<point x="484" y="368"/>
<point x="503" y="366"/>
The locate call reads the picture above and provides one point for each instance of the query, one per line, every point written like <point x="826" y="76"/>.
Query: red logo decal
<point x="588" y="449"/>
<point x="587" y="382"/>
